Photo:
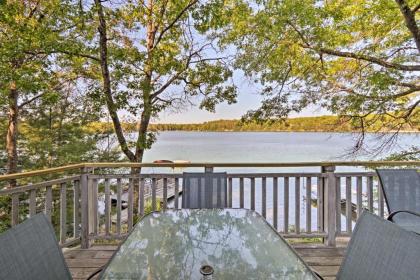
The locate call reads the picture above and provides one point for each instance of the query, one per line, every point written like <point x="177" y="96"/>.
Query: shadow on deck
<point x="325" y="260"/>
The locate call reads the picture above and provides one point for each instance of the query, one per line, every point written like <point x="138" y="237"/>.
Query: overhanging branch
<point x="306" y="45"/>
<point x="365" y="57"/>
<point x="172" y="23"/>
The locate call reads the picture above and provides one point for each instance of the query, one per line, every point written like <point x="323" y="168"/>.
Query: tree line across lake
<point x="301" y="124"/>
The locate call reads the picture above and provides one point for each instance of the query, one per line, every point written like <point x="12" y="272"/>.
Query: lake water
<point x="263" y="146"/>
<point x="252" y="147"/>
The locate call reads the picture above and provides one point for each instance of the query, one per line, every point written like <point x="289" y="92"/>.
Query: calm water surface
<point x="263" y="146"/>
<point x="254" y="147"/>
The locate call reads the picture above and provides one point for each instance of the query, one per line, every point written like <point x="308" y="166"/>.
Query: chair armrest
<point x="95" y="273"/>
<point x="391" y="216"/>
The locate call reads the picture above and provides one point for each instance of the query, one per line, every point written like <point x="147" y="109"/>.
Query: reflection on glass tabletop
<point x="175" y="244"/>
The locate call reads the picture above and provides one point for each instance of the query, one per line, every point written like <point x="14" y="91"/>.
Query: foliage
<point x="37" y="46"/>
<point x="27" y="37"/>
<point x="412" y="154"/>
<point x="67" y="141"/>
<point x="358" y="59"/>
<point x="5" y="210"/>
<point x="310" y="240"/>
<point x="65" y="66"/>
<point x="148" y="208"/>
<point x="147" y="58"/>
<point x="312" y="124"/>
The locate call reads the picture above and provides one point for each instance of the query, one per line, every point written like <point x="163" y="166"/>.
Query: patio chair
<point x="401" y="188"/>
<point x="30" y="251"/>
<point x="204" y="190"/>
<point x="380" y="250"/>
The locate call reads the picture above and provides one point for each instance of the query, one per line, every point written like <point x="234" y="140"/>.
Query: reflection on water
<point x="237" y="243"/>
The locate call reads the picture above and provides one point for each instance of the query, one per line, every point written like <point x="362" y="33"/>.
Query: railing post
<point x="84" y="238"/>
<point x="330" y="209"/>
<point x="208" y="169"/>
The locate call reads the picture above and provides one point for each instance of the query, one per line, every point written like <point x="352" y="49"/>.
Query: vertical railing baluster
<point x="119" y="194"/>
<point x="297" y="205"/>
<point x="15" y="209"/>
<point x="241" y="192"/>
<point x="165" y="192"/>
<point x="286" y="204"/>
<point x="48" y="202"/>
<point x="359" y="192"/>
<point x="370" y="193"/>
<point x="330" y="204"/>
<point x="264" y="196"/>
<point x="348" y="205"/>
<point x="221" y="195"/>
<point x="308" y="205"/>
<point x="130" y="207"/>
<point x="91" y="206"/>
<point x="154" y="194"/>
<point x="76" y="208"/>
<point x="253" y="193"/>
<point x="107" y="207"/>
<point x="84" y="201"/>
<point x="95" y="206"/>
<point x="230" y="185"/>
<point x="63" y="212"/>
<point x="320" y="203"/>
<point x="176" y="192"/>
<point x="275" y="202"/>
<point x="32" y="202"/>
<point x="338" y="211"/>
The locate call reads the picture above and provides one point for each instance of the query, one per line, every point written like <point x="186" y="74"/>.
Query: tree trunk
<point x="112" y="108"/>
<point x="142" y="131"/>
<point x="410" y="21"/>
<point x="147" y="87"/>
<point x="12" y="133"/>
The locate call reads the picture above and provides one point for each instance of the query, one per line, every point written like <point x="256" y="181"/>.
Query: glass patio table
<point x="191" y="243"/>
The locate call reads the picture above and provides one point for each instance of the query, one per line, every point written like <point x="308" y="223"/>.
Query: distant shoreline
<point x="301" y="124"/>
<point x="283" y="131"/>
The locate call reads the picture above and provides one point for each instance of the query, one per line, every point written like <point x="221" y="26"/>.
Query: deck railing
<point x="104" y="200"/>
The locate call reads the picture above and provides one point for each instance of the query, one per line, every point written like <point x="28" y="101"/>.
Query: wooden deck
<point x="325" y="260"/>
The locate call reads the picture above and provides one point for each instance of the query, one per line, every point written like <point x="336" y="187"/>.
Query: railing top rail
<point x="229" y="175"/>
<point x="41" y="172"/>
<point x="208" y="164"/>
<point x="44" y="184"/>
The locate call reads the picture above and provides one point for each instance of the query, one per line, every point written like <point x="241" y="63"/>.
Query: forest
<point x="299" y="124"/>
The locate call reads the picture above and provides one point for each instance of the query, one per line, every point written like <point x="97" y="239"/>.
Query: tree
<point x="65" y="118"/>
<point x="29" y="33"/>
<point x="358" y="59"/>
<point x="153" y="57"/>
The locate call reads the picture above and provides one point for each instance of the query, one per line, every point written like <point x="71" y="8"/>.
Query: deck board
<point x="325" y="260"/>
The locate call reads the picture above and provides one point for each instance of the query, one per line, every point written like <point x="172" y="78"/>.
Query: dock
<point x="147" y="196"/>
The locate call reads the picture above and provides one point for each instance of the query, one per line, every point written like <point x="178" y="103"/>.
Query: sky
<point x="248" y="98"/>
<point x="248" y="93"/>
